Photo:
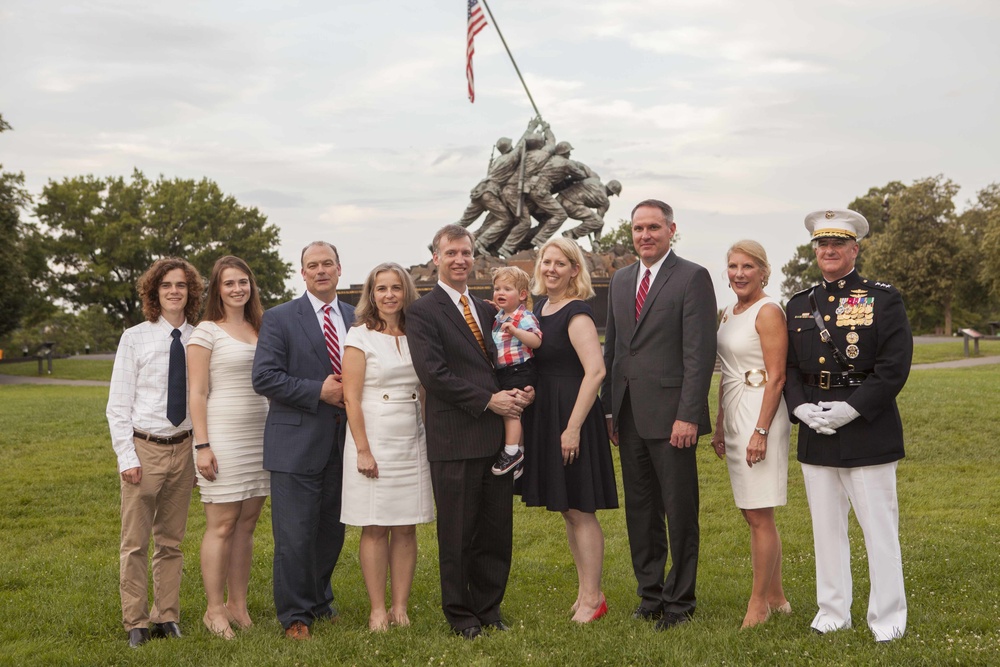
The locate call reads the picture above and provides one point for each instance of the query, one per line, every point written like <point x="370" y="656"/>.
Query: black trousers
<point x="475" y="520"/>
<point x="661" y="482"/>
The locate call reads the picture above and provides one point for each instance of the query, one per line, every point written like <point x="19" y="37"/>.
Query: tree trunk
<point x="947" y="316"/>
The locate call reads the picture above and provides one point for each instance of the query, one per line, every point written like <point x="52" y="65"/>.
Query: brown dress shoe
<point x="298" y="631"/>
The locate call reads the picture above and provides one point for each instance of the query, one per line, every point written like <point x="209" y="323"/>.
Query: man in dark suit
<point x="448" y="331"/>
<point x="844" y="390"/>
<point x="660" y="353"/>
<point x="297" y="366"/>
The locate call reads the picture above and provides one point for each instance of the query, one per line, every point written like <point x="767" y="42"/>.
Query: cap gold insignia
<point x="829" y="215"/>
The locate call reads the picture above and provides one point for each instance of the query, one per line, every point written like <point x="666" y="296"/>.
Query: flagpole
<point x="516" y="69"/>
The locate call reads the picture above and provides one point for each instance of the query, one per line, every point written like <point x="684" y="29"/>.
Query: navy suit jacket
<point x="289" y="368"/>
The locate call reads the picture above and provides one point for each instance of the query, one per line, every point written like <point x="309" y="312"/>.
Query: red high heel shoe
<point x="601" y="610"/>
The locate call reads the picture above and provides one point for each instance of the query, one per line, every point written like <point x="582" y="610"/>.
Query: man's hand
<point x="507" y="404"/>
<point x="836" y="414"/>
<point x="807" y="414"/>
<point x="612" y="433"/>
<point x="685" y="434"/>
<point x="332" y="391"/>
<point x="132" y="475"/>
<point x="526" y="396"/>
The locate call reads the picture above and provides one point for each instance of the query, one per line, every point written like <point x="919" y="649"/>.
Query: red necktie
<point x="640" y="297"/>
<point x="332" y="342"/>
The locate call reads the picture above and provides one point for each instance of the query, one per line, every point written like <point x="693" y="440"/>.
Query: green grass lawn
<point x="74" y="368"/>
<point x="82" y="368"/>
<point x="59" y="525"/>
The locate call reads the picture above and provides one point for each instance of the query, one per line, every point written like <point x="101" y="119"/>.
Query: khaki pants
<point x="157" y="506"/>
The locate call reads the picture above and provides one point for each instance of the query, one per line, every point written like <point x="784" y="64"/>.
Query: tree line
<point x="68" y="274"/>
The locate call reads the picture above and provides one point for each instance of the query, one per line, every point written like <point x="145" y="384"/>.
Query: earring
<point x="763" y="283"/>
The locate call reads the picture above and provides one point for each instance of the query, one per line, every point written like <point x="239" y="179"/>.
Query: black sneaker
<point x="506" y="462"/>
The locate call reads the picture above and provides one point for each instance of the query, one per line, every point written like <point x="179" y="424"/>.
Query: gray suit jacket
<point x="289" y="368"/>
<point x="666" y="359"/>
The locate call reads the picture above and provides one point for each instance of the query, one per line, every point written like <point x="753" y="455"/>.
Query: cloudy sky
<point x="348" y="120"/>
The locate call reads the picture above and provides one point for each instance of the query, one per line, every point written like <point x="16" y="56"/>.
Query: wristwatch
<point x="762" y="431"/>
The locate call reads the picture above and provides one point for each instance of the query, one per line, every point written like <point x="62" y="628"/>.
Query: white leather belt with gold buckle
<point x="755" y="377"/>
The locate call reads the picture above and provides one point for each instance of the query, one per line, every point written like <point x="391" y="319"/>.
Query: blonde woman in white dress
<point x="752" y="428"/>
<point x="387" y="479"/>
<point x="228" y="420"/>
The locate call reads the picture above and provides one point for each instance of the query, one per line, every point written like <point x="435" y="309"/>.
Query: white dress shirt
<point x="335" y="316"/>
<point x="138" y="397"/>
<point x="653" y="270"/>
<point x="455" y="295"/>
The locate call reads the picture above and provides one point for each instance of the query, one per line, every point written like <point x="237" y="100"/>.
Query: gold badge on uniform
<point x="852" y="337"/>
<point x="852" y="351"/>
<point x="829" y="215"/>
<point x="855" y="311"/>
<point x="841" y="283"/>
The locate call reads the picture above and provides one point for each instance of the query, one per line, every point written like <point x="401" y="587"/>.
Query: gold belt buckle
<point x="824" y="379"/>
<point x="761" y="373"/>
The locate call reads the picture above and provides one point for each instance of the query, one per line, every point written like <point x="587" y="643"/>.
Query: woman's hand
<point x="757" y="449"/>
<point x="367" y="465"/>
<point x="570" y="445"/>
<point x="206" y="463"/>
<point x="719" y="444"/>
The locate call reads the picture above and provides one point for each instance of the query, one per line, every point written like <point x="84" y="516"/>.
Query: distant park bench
<point x="43" y="356"/>
<point x="974" y="336"/>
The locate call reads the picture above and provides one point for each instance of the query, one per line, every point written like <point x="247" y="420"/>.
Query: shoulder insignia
<point x="805" y="291"/>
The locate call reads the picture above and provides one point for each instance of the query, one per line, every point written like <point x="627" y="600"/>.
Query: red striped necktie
<point x="640" y="297"/>
<point x="332" y="342"/>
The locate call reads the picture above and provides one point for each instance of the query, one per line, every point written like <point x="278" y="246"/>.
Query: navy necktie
<point x="176" y="381"/>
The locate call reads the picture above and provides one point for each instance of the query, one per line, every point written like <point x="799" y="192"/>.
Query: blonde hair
<point x="754" y="251"/>
<point x="579" y="285"/>
<point x="517" y="277"/>
<point x="367" y="313"/>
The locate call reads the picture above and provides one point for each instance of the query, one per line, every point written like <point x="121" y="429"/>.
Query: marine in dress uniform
<point x="843" y="392"/>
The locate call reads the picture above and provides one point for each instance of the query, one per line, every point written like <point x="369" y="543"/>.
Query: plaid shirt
<point x="511" y="351"/>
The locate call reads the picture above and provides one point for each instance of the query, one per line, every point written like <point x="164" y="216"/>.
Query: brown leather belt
<point x="828" y="380"/>
<point x="160" y="440"/>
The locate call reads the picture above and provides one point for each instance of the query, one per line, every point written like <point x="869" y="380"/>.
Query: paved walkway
<point x="959" y="363"/>
<point x="35" y="379"/>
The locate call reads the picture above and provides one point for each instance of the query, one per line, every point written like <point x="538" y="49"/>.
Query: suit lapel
<point x="346" y="313"/>
<point x="452" y="314"/>
<point x="310" y="327"/>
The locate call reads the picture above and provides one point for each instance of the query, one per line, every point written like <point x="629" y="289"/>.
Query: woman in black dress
<point x="568" y="465"/>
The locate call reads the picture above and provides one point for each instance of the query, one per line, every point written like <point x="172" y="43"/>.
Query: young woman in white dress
<point x="752" y="428"/>
<point x="387" y="483"/>
<point x="228" y="419"/>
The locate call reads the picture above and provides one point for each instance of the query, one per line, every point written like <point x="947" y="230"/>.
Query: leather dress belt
<point x="828" y="380"/>
<point x="162" y="440"/>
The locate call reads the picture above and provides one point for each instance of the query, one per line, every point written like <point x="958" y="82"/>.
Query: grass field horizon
<point x="59" y="527"/>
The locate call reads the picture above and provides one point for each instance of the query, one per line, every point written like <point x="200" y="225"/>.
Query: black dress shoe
<point x="643" y="614"/>
<point x="499" y="626"/>
<point x="165" y="630"/>
<point x="137" y="637"/>
<point x="671" y="619"/>
<point x="469" y="633"/>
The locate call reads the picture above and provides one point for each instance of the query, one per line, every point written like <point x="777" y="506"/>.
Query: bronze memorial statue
<point x="536" y="178"/>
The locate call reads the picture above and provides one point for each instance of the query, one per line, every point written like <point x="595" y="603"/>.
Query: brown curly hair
<point x="149" y="288"/>
<point x="253" y="311"/>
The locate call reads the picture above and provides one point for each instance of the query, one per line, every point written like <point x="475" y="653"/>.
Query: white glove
<point x="808" y="414"/>
<point x="836" y="414"/>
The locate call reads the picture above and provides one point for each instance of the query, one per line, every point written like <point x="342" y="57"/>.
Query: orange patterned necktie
<point x="471" y="321"/>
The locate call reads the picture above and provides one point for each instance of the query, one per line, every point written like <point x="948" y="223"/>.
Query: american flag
<point x="476" y="23"/>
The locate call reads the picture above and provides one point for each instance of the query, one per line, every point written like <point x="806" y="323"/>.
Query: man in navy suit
<point x="297" y="367"/>
<point x="449" y="334"/>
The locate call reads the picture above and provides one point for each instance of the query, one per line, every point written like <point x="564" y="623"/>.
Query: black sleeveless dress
<point x="587" y="484"/>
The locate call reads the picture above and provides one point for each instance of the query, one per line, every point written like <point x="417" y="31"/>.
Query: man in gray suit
<point x="660" y="353"/>
<point x="297" y="366"/>
<point x="449" y="334"/>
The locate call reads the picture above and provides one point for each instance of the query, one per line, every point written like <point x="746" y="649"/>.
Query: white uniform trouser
<point x="871" y="490"/>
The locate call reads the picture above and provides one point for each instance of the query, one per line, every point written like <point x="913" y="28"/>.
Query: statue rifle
<point x="520" y="181"/>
